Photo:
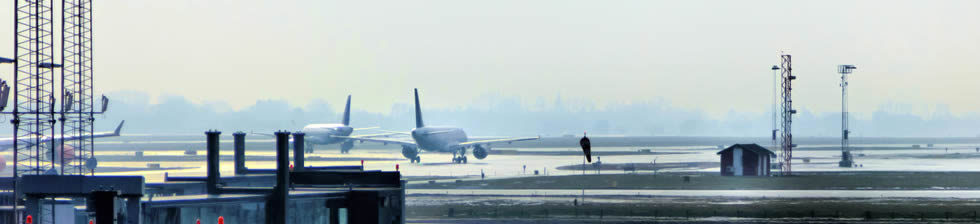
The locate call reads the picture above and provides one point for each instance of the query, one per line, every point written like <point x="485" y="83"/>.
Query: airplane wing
<point x="367" y="128"/>
<point x="381" y="140"/>
<point x="395" y="132"/>
<point x="263" y="134"/>
<point x="114" y="133"/>
<point x="7" y="143"/>
<point x="501" y="140"/>
<point x="368" y="135"/>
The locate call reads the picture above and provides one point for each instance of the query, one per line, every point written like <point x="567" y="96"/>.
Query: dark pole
<point x="37" y="94"/>
<point x="240" y="153"/>
<point x="16" y="120"/>
<point x="298" y="151"/>
<point x="62" y="119"/>
<point x="213" y="172"/>
<point x="51" y="119"/>
<point x="104" y="206"/>
<point x="91" y="80"/>
<point x="278" y="211"/>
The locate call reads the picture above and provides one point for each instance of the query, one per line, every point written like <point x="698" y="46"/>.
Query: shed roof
<point x="751" y="147"/>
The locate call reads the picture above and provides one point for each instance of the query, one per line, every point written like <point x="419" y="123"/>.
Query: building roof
<point x="751" y="147"/>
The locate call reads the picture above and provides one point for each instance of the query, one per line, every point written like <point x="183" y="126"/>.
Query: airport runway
<point x="531" y="193"/>
<point x="893" y="157"/>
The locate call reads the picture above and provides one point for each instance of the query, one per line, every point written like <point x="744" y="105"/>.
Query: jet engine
<point x="410" y="152"/>
<point x="68" y="153"/>
<point x="346" y="146"/>
<point x="480" y="152"/>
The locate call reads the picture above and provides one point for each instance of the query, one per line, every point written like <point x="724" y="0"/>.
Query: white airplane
<point x="8" y="143"/>
<point x="440" y="139"/>
<point x="325" y="134"/>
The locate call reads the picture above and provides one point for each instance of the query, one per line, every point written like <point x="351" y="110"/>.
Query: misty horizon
<point x="503" y="115"/>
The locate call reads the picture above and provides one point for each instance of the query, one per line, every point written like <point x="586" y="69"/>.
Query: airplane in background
<point x="440" y="139"/>
<point x="8" y="143"/>
<point x="325" y="134"/>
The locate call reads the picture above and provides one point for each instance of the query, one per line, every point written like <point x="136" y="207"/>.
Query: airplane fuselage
<point x="322" y="134"/>
<point x="439" y="139"/>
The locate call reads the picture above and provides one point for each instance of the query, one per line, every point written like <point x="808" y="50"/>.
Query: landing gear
<point x="411" y="153"/>
<point x="309" y="148"/>
<point x="461" y="158"/>
<point x="346" y="146"/>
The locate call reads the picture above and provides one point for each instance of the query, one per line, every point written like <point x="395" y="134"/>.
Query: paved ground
<point x="702" y="220"/>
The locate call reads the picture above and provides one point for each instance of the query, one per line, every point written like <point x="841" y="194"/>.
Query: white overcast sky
<point x="708" y="55"/>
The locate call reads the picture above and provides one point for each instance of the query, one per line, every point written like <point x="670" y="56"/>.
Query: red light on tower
<point x="221" y="220"/>
<point x="290" y="167"/>
<point x="198" y="221"/>
<point x="29" y="219"/>
<point x="396" y="167"/>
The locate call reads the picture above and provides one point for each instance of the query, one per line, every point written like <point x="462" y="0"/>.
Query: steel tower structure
<point x="77" y="93"/>
<point x="787" y="113"/>
<point x="846" y="160"/>
<point x="34" y="114"/>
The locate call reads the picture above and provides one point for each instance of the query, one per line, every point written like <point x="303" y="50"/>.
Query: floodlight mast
<point x="846" y="160"/>
<point x="775" y="107"/>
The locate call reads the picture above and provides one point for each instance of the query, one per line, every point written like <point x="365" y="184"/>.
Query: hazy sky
<point x="704" y="55"/>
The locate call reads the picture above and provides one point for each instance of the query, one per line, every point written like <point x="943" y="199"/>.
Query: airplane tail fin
<point x="347" y="112"/>
<point x="118" y="128"/>
<point x="418" y="111"/>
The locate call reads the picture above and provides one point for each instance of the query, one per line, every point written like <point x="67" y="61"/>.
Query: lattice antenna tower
<point x="34" y="114"/>
<point x="787" y="113"/>
<point x="77" y="88"/>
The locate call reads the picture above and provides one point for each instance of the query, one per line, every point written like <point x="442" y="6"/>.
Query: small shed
<point x="745" y="160"/>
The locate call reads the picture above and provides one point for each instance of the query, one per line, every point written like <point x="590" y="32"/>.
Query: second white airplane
<point x="325" y="134"/>
<point x="440" y="139"/>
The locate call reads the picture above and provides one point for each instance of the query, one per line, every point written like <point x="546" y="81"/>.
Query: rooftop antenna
<point x="846" y="160"/>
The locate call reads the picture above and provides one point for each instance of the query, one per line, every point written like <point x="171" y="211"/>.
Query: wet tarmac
<point x="529" y="194"/>
<point x="892" y="157"/>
